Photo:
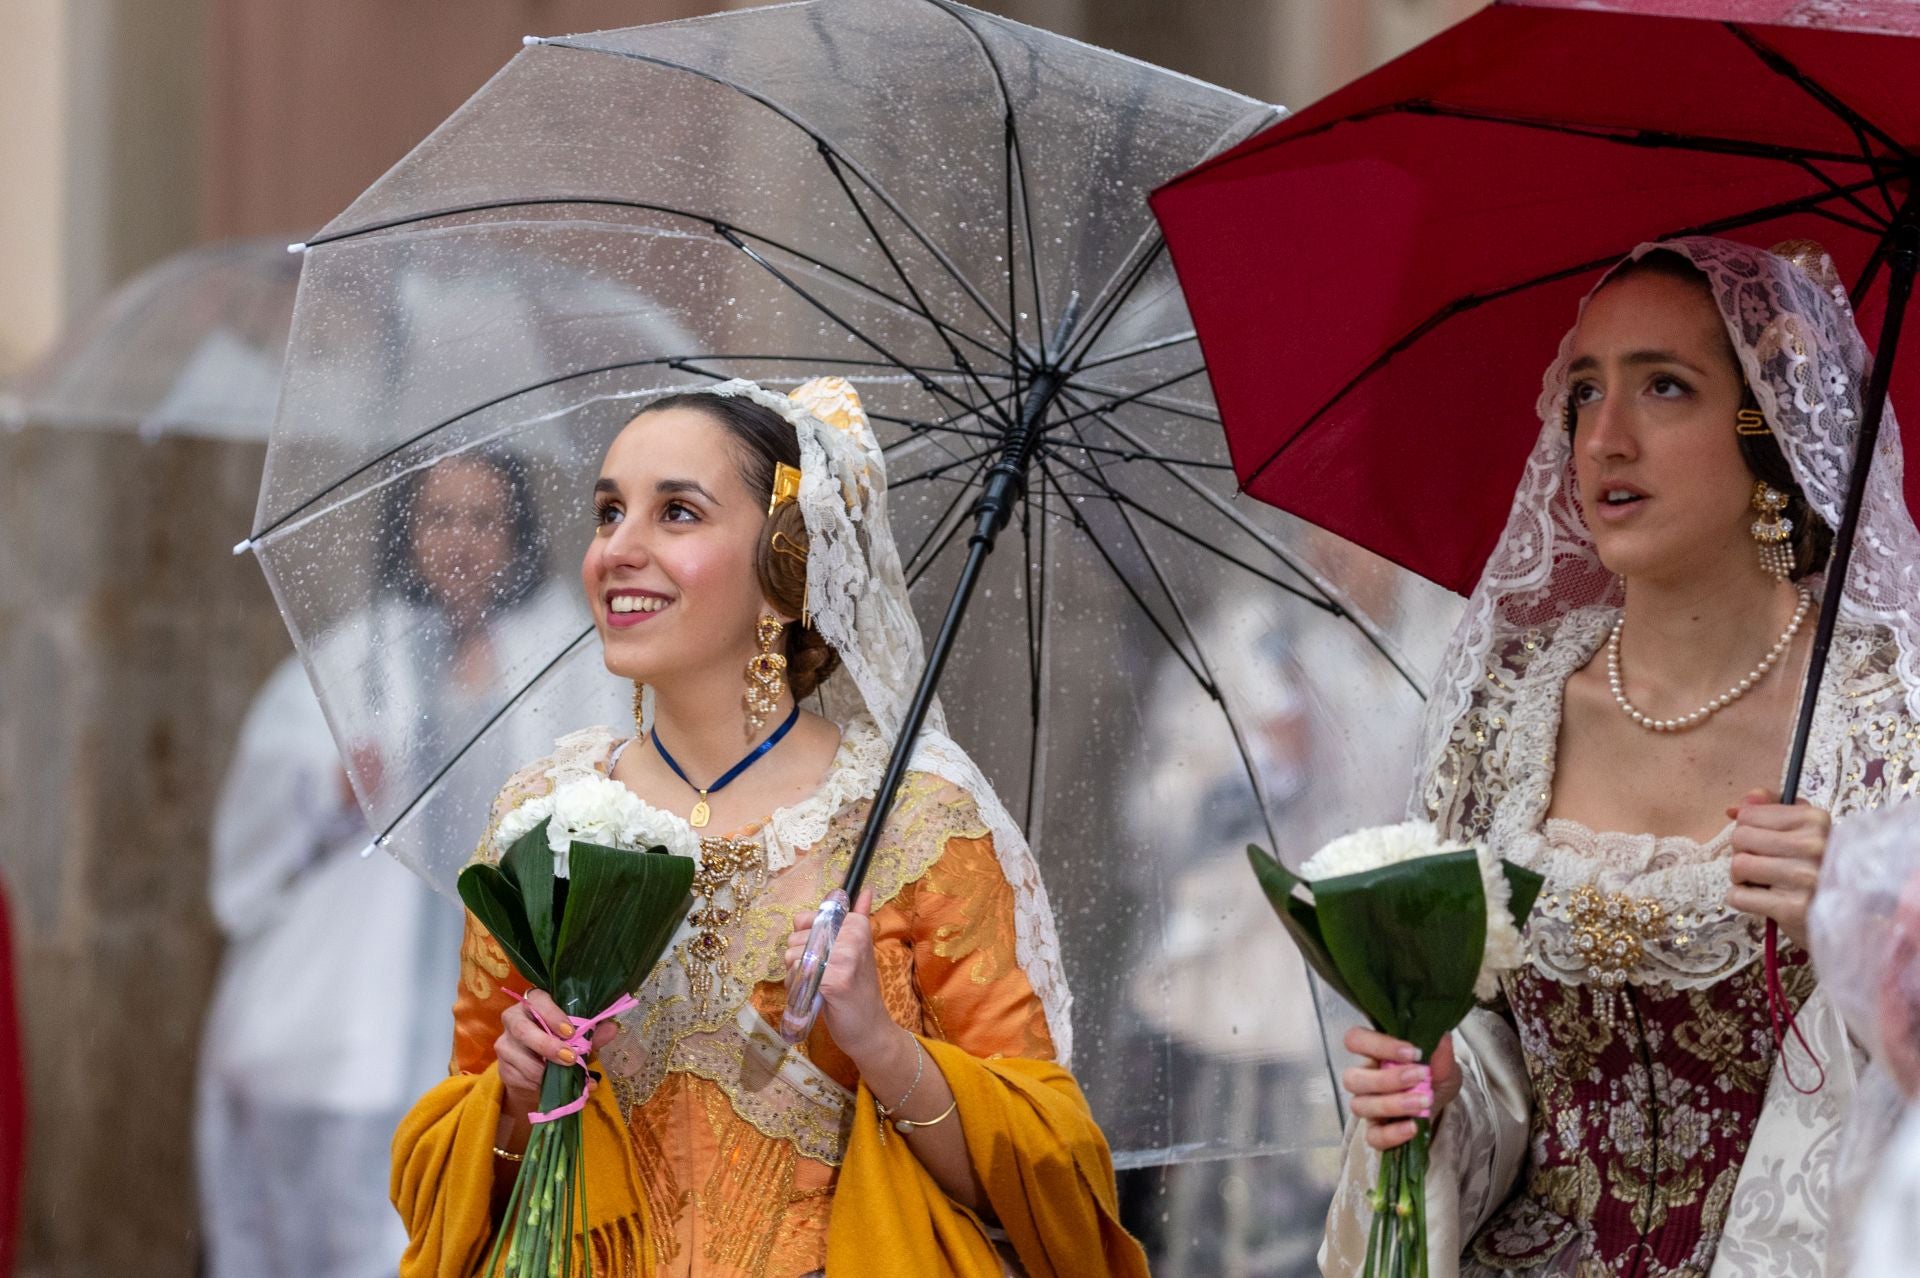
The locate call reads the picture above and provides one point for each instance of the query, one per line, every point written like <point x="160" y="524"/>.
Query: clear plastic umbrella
<point x="947" y="208"/>
<point x="192" y="346"/>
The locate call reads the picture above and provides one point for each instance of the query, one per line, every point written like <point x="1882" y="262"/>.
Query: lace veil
<point x="1804" y="359"/>
<point x="857" y="592"/>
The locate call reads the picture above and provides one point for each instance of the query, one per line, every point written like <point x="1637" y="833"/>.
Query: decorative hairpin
<point x="786" y="485"/>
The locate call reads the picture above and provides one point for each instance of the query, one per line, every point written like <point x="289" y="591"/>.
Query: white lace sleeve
<point x="1479" y="1149"/>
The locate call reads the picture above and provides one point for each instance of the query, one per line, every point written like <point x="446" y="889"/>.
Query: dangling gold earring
<point x="639" y="708"/>
<point x="766" y="673"/>
<point x="1771" y="531"/>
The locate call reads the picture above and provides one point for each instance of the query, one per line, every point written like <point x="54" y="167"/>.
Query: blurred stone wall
<point x="130" y="643"/>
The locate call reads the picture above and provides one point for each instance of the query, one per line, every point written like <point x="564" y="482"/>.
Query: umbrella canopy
<point x="191" y="347"/>
<point x="946" y="208"/>
<point x="1379" y="279"/>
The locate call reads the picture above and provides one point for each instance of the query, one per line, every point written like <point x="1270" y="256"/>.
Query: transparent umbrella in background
<point x="192" y="346"/>
<point x="948" y="209"/>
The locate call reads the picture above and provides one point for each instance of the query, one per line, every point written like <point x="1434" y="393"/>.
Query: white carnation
<point x="516" y="824"/>
<point x="599" y="810"/>
<point x="1370" y="849"/>
<point x="1391" y="844"/>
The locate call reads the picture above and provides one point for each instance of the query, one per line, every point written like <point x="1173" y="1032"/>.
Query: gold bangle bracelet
<point x="508" y="1155"/>
<point x="907" y="1126"/>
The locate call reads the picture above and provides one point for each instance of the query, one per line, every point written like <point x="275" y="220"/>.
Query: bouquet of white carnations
<point x="1410" y="931"/>
<point x="591" y="885"/>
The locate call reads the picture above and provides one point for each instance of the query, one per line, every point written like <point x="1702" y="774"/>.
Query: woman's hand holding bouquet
<point x="1411" y="932"/>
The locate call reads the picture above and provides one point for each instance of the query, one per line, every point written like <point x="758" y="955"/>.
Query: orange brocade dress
<point x="735" y="1157"/>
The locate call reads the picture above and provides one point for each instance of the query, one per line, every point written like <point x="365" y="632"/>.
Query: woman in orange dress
<point x="928" y="1125"/>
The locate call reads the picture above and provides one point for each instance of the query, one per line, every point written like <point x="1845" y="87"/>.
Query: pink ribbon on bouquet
<point x="581" y="1043"/>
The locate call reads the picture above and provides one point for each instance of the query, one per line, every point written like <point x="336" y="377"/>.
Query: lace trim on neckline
<point x="855" y="772"/>
<point x="1665" y="846"/>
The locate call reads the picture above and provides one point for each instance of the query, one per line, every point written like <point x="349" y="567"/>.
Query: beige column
<point x="33" y="146"/>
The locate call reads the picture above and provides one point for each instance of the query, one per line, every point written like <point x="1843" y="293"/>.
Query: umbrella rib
<point x="1079" y="522"/>
<point x="1109" y="306"/>
<point x="281" y="521"/>
<point x="680" y="363"/>
<point x="953" y="527"/>
<point x="1784" y="67"/>
<point x="1110" y="491"/>
<point x="1014" y="167"/>
<point x="1879" y="225"/>
<point x="922" y="429"/>
<point x="1204" y="673"/>
<point x="1460" y="305"/>
<point x="1148" y="401"/>
<point x="1644" y="138"/>
<point x="1869" y="272"/>
<point x="931" y="430"/>
<point x="482" y="731"/>
<point x="1852" y="224"/>
<point x="886" y="250"/>
<point x="725" y="230"/>
<point x="1141" y="455"/>
<point x="926" y="383"/>
<point x="1279" y="551"/>
<point x="1152" y="241"/>
<point x="1130" y="397"/>
<point x="866" y="180"/>
<point x="1145" y="348"/>
<point x="1036" y="641"/>
<point x="940" y="471"/>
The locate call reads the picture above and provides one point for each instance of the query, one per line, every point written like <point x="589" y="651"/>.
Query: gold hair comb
<point x="786" y="485"/>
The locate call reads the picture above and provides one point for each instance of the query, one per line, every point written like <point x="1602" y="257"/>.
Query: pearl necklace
<point x="1720" y="702"/>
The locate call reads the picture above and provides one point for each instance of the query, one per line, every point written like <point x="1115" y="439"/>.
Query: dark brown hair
<point x="762" y="439"/>
<point x="1812" y="540"/>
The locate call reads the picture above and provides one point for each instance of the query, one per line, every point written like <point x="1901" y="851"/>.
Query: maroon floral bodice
<point x="1645" y="1100"/>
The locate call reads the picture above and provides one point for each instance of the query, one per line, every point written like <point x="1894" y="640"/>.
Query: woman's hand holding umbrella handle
<point x="806" y="969"/>
<point x="895" y="1066"/>
<point x="1777" y="851"/>
<point x="846" y="983"/>
<point x="1390" y="1088"/>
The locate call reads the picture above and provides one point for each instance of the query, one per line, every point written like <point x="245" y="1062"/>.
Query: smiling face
<point x="670" y="572"/>
<point x="1654" y="387"/>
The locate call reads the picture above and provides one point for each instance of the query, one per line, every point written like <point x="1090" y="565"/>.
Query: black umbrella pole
<point x="1904" y="261"/>
<point x="1005" y="483"/>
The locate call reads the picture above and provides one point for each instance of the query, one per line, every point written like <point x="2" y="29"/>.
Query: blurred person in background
<point x="1322" y="718"/>
<point x="303" y="1075"/>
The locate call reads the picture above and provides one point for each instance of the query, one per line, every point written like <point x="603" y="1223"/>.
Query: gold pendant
<point x="701" y="813"/>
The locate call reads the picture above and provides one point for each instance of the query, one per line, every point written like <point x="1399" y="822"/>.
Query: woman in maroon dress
<point x="1614" y="709"/>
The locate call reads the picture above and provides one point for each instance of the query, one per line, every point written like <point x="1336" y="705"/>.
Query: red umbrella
<point x="1377" y="281"/>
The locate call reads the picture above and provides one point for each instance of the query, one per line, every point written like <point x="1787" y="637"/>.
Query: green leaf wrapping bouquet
<point x="592" y="885"/>
<point x="1413" y="933"/>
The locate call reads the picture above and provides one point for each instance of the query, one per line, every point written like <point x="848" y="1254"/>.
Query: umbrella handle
<point x="803" y="988"/>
